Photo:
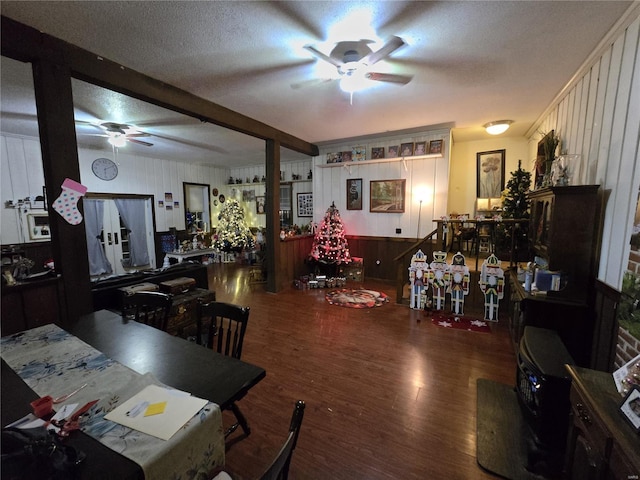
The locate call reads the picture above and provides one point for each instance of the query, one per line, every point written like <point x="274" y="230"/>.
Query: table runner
<point x="54" y="362"/>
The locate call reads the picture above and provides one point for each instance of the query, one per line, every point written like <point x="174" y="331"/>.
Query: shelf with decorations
<point x="244" y="184"/>
<point x="348" y="165"/>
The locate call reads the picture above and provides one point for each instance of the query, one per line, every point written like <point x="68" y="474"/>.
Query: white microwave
<point x="38" y="224"/>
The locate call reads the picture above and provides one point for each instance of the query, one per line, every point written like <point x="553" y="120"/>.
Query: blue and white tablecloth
<point x="54" y="362"/>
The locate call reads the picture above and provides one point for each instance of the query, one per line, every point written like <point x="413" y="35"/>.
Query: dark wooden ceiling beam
<point x="24" y="43"/>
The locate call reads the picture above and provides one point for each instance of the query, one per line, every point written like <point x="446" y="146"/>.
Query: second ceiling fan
<point x="118" y="134"/>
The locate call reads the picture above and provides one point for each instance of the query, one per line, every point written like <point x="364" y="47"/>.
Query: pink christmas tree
<point x="330" y="244"/>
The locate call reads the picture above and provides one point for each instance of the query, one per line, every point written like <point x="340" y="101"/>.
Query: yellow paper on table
<point x="155" y="409"/>
<point x="177" y="408"/>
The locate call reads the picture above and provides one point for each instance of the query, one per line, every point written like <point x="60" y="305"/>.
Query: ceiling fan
<point x="118" y="134"/>
<point x="354" y="60"/>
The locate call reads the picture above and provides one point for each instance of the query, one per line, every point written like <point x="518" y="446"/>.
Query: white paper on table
<point x="179" y="410"/>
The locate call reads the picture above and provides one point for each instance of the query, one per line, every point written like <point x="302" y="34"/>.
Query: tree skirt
<point x="358" y="298"/>
<point x="460" y="322"/>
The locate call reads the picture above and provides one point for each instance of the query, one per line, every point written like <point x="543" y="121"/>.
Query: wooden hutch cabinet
<point x="563" y="231"/>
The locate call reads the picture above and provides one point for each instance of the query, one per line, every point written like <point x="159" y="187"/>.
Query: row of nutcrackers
<point x="453" y="279"/>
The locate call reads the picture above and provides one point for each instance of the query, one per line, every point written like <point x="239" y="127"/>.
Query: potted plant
<point x="547" y="155"/>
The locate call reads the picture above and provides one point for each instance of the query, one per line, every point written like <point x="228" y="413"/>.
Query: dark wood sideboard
<point x="106" y="293"/>
<point x="31" y="304"/>
<point x="601" y="445"/>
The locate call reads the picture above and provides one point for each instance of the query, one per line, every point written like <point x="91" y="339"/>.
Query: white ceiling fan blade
<point x="388" y="77"/>
<point x="324" y="57"/>
<point x="391" y="46"/>
<point x="138" y="134"/>
<point x="309" y="83"/>
<point x="94" y="135"/>
<point x="85" y="123"/>
<point x="133" y="140"/>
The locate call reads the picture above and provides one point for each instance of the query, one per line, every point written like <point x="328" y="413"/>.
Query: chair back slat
<point x="227" y="324"/>
<point x="151" y="308"/>
<point x="279" y="468"/>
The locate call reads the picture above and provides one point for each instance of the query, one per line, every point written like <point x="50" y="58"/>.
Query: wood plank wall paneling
<point x="426" y="178"/>
<point x="136" y="175"/>
<point x="598" y="117"/>
<point x="293" y="255"/>
<point x="372" y="249"/>
<point x="294" y="252"/>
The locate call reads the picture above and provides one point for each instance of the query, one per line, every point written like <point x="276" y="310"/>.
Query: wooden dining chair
<point x="224" y="325"/>
<point x="151" y="308"/>
<point x="464" y="235"/>
<point x="279" y="467"/>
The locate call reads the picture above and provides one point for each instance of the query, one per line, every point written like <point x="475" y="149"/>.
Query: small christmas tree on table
<point x="515" y="205"/>
<point x="330" y="245"/>
<point x="233" y="234"/>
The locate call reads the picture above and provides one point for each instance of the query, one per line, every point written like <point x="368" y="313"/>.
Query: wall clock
<point x="104" y="169"/>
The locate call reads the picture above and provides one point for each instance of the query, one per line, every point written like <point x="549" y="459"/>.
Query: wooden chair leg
<point x="242" y="422"/>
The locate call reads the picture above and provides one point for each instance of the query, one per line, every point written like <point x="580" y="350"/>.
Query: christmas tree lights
<point x="233" y="234"/>
<point x="330" y="244"/>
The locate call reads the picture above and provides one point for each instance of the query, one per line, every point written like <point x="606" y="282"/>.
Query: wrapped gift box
<point x="354" y="271"/>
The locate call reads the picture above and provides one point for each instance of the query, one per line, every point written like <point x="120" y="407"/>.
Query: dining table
<point x="117" y="357"/>
<point x="445" y="228"/>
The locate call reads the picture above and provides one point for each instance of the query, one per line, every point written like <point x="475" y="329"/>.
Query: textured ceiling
<point x="471" y="62"/>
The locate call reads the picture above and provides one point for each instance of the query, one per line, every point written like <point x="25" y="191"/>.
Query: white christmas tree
<point x="330" y="244"/>
<point x="233" y="234"/>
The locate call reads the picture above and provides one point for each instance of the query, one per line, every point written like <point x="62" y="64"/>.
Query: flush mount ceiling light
<point x="497" y="127"/>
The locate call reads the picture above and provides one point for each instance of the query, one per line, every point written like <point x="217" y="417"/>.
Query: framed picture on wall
<point x="435" y="147"/>
<point x="260" y="205"/>
<point x="305" y="204"/>
<point x="406" y="149"/>
<point x="393" y="151"/>
<point x="630" y="407"/>
<point x="377" y="152"/>
<point x="420" y="148"/>
<point x="354" y="194"/>
<point x="490" y="173"/>
<point x="387" y="196"/>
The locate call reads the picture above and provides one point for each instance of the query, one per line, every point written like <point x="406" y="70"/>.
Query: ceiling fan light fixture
<point x="117" y="140"/>
<point x="497" y="127"/>
<point x="355" y="81"/>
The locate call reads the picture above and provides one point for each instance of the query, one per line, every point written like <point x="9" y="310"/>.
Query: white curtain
<point x="93" y="224"/>
<point x="133" y="214"/>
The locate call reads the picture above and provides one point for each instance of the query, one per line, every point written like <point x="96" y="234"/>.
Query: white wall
<point x="22" y="176"/>
<point x="300" y="168"/>
<point x="426" y="178"/>
<point x="598" y="116"/>
<point x="462" y="178"/>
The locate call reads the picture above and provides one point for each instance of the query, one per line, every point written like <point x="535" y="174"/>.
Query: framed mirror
<point x="197" y="207"/>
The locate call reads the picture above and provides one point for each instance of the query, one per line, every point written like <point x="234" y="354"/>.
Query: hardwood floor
<point x="388" y="395"/>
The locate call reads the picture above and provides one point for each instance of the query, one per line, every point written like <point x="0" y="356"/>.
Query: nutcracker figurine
<point x="418" y="278"/>
<point x="438" y="279"/>
<point x="458" y="282"/>
<point x="492" y="285"/>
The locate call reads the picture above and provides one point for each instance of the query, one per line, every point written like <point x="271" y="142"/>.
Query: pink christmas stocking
<point x="67" y="203"/>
